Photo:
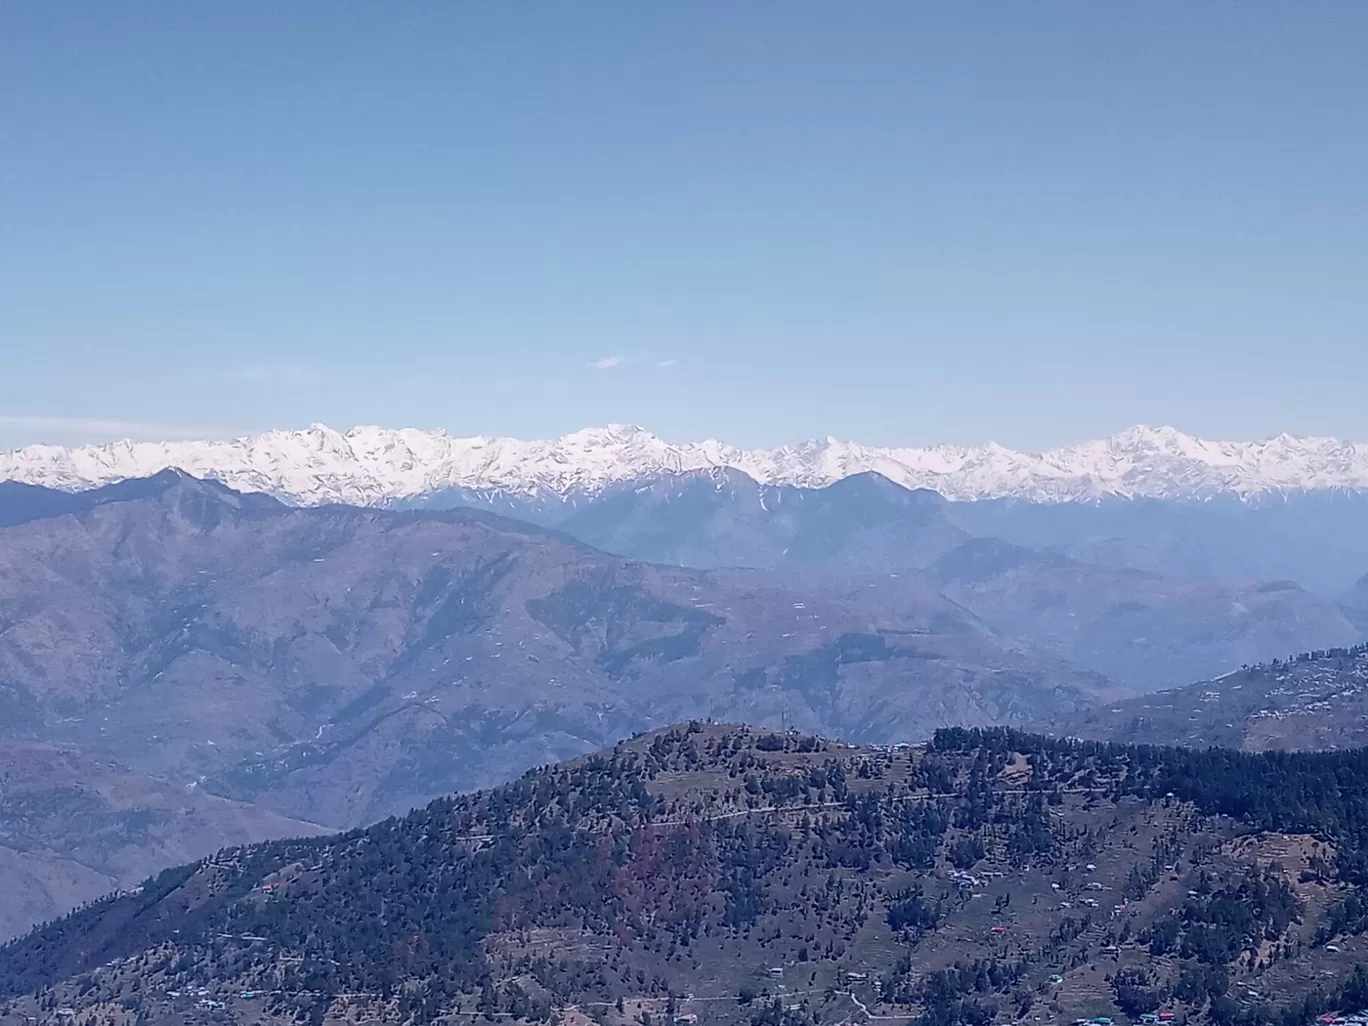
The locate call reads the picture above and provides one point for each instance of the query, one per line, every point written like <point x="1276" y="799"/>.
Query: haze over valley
<point x="292" y="666"/>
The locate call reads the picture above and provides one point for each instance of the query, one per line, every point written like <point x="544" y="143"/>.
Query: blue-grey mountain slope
<point x="1140" y="628"/>
<point x="336" y="664"/>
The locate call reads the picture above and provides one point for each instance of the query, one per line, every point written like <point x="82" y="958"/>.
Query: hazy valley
<point x="336" y="665"/>
<point x="184" y="666"/>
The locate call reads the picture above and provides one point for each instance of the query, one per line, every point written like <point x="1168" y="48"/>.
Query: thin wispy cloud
<point x="276" y="372"/>
<point x="630" y="360"/>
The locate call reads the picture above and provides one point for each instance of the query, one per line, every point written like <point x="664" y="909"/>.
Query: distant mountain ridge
<point x="375" y="466"/>
<point x="338" y="664"/>
<point x="718" y="518"/>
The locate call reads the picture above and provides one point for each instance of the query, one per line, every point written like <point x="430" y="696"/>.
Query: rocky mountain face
<point x="725" y="518"/>
<point x="337" y="664"/>
<point x="376" y="466"/>
<point x="1316" y="700"/>
<point x="1074" y="594"/>
<point x="863" y="523"/>
<point x="1145" y="629"/>
<point x="72" y="829"/>
<point x="724" y="875"/>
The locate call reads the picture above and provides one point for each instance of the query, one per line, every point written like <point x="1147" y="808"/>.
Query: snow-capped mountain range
<point x="379" y="466"/>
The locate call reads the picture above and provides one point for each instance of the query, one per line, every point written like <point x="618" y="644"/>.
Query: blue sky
<point x="892" y="222"/>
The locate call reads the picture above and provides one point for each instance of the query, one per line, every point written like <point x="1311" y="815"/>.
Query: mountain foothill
<point x="723" y="874"/>
<point x="187" y="668"/>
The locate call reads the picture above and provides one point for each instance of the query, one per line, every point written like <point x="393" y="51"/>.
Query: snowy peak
<point x="377" y="466"/>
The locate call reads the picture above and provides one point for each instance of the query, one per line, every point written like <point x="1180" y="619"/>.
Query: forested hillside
<point x="73" y="828"/>
<point x="1309" y="701"/>
<point x="744" y="876"/>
